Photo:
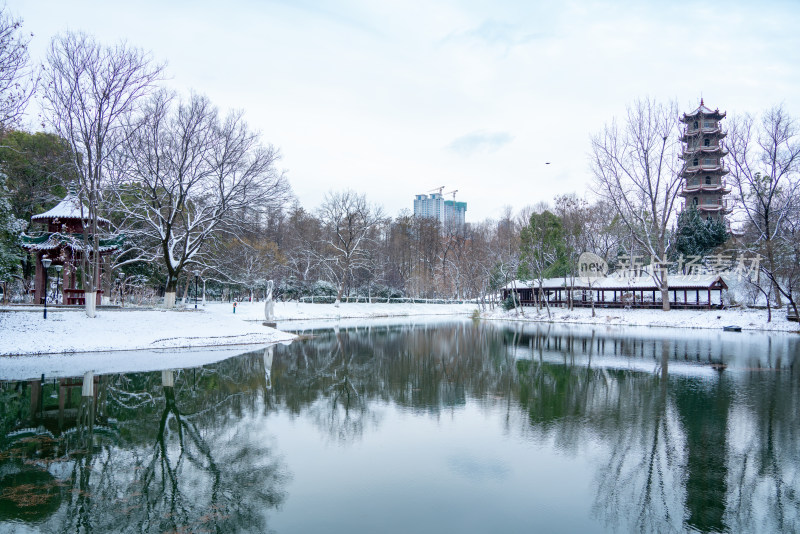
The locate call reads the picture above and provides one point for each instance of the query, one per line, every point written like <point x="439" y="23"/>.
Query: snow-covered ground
<point x="748" y="319"/>
<point x="24" y="331"/>
<point x="293" y="311"/>
<point x="70" y="331"/>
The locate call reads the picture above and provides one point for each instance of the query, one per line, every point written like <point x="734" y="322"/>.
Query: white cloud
<point x="367" y="94"/>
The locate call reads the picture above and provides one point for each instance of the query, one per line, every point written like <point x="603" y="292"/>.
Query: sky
<point x="393" y="99"/>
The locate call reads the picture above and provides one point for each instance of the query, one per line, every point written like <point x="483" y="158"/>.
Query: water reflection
<point x="683" y="432"/>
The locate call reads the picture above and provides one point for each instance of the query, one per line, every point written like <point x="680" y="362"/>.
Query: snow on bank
<point x="748" y="319"/>
<point x="102" y="363"/>
<point x="293" y="311"/>
<point x="26" y="332"/>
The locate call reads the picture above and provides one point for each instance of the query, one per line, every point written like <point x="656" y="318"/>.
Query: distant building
<point x="429" y="206"/>
<point x="703" y="169"/>
<point x="455" y="212"/>
<point x="436" y="207"/>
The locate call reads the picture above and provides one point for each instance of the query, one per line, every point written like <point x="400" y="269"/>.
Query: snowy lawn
<point x="26" y="332"/>
<point x="748" y="319"/>
<point x="69" y="330"/>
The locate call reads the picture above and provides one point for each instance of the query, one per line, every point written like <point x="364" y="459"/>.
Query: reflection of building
<point x="436" y="207"/>
<point x="703" y="408"/>
<point x="703" y="168"/>
<point x="62" y="243"/>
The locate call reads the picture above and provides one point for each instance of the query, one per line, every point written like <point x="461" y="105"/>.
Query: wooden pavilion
<point x="685" y="291"/>
<point x="62" y="243"/>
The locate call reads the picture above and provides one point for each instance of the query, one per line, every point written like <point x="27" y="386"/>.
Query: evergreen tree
<point x="697" y="237"/>
<point x="10" y="227"/>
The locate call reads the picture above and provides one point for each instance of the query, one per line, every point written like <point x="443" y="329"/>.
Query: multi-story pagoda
<point x="62" y="244"/>
<point x="703" y="169"/>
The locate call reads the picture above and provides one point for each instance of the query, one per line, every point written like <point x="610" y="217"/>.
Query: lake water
<point x="446" y="427"/>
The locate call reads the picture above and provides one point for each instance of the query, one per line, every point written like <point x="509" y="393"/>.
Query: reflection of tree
<point x="627" y="411"/>
<point x="180" y="462"/>
<point x="339" y="374"/>
<point x="195" y="480"/>
<point x="640" y="482"/>
<point x="764" y="476"/>
<point x="708" y="451"/>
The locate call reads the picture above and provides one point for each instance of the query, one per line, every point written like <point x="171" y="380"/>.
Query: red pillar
<point x="38" y="295"/>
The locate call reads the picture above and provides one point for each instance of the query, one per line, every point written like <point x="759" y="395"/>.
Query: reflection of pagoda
<point x="62" y="243"/>
<point x="703" y="169"/>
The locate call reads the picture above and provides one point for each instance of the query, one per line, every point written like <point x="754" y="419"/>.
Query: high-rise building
<point x="455" y="212"/>
<point x="435" y="206"/>
<point x="703" y="169"/>
<point x="429" y="206"/>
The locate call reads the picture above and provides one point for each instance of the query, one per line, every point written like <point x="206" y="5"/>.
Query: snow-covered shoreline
<point x="747" y="319"/>
<point x="25" y="332"/>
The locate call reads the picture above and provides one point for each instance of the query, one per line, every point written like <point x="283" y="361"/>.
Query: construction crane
<point x="439" y="189"/>
<point x="454" y="191"/>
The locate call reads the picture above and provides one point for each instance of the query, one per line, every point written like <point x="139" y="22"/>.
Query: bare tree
<point x="349" y="219"/>
<point x="635" y="166"/>
<point x="765" y="157"/>
<point x="17" y="82"/>
<point x="186" y="177"/>
<point x="89" y="91"/>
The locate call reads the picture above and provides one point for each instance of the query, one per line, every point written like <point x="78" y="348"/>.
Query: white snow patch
<point x="748" y="319"/>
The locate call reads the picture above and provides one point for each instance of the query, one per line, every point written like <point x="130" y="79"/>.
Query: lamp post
<point x="58" y="282"/>
<point x="196" y="275"/>
<point x="46" y="264"/>
<point x="121" y="278"/>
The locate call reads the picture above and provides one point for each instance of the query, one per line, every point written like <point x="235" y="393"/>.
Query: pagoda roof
<point x="702" y="110"/>
<point x="68" y="208"/>
<point x="55" y="240"/>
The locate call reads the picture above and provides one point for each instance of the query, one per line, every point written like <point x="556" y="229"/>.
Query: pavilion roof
<point x="68" y="208"/>
<point x="646" y="282"/>
<point x="55" y="240"/>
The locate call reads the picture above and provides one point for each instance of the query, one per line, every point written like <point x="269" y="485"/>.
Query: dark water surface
<point x="458" y="427"/>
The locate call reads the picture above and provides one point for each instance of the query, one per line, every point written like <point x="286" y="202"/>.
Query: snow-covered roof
<point x="74" y="241"/>
<point x="694" y="281"/>
<point x="547" y="283"/>
<point x="68" y="208"/>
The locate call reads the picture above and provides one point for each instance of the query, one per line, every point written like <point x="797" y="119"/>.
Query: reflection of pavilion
<point x="63" y="244"/>
<point x="75" y="396"/>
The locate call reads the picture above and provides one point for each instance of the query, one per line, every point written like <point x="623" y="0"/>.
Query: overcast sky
<point x="395" y="99"/>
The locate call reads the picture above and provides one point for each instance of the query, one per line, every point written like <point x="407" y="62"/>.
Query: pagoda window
<point x="694" y="201"/>
<point x="708" y="180"/>
<point x="696" y="125"/>
<point x="708" y="124"/>
<point x="709" y="161"/>
<point x="706" y="142"/>
<point x="695" y="161"/>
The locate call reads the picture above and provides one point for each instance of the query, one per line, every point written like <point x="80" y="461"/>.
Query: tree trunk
<point x="186" y="291"/>
<point x="90" y="303"/>
<point x="339" y="293"/>
<point x="169" y="293"/>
